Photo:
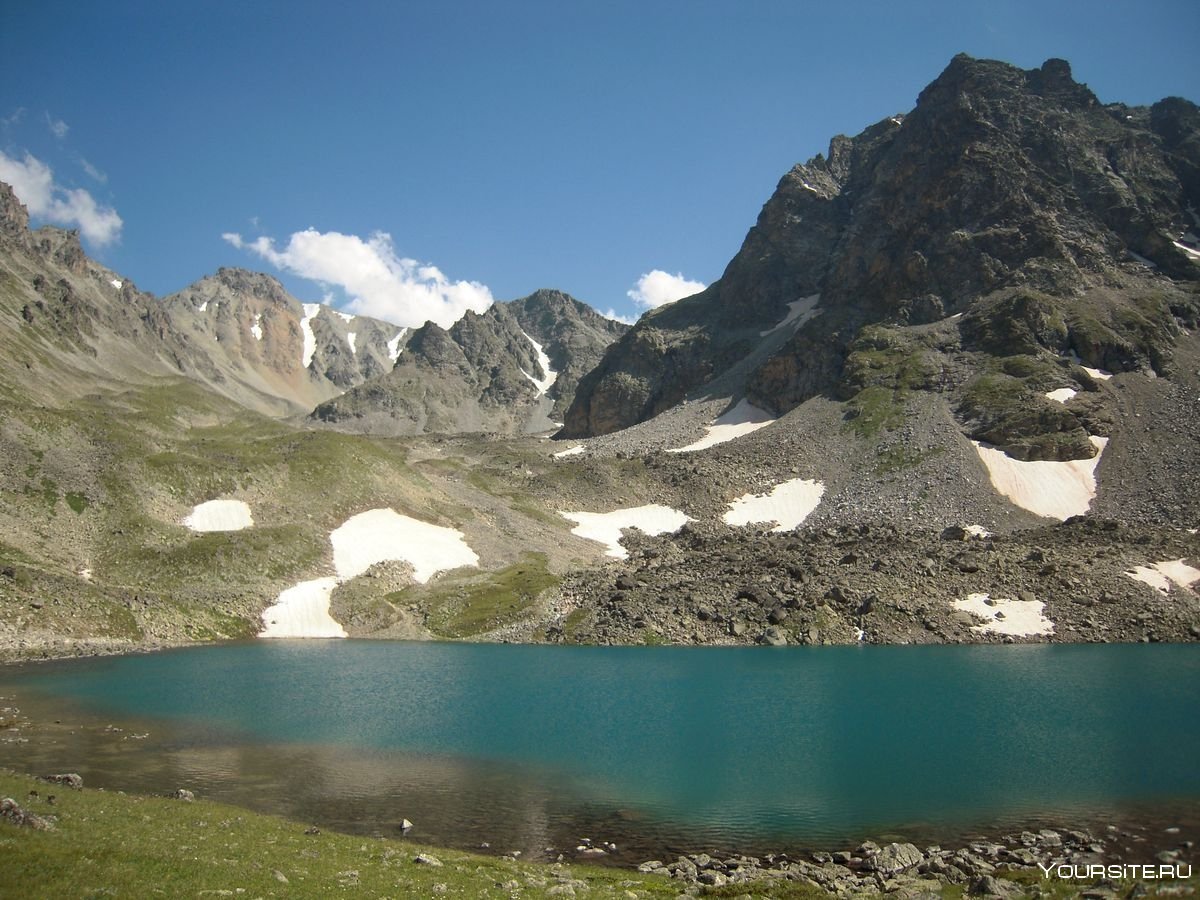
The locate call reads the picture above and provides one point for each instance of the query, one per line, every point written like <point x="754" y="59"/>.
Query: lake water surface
<point x="529" y="747"/>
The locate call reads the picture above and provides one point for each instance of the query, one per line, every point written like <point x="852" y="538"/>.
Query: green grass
<point x="875" y="410"/>
<point x="108" y="844"/>
<point x="464" y="604"/>
<point x="898" y="459"/>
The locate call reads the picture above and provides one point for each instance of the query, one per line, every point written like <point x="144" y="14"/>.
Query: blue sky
<point x="412" y="159"/>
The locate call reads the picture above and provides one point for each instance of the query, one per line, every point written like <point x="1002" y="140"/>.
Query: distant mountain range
<point x="513" y="368"/>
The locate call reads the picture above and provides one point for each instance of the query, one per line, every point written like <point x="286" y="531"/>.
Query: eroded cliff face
<point x="1052" y="224"/>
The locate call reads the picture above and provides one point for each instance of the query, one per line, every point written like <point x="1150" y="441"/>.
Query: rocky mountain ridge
<point x="511" y="369"/>
<point x="1011" y="209"/>
<point x="74" y="325"/>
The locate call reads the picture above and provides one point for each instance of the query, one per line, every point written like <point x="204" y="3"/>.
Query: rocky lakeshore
<point x="1010" y="866"/>
<point x="1061" y="856"/>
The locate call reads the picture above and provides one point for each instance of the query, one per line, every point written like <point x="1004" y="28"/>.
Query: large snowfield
<point x="787" y="505"/>
<point x="1057" y="490"/>
<point x="374" y="536"/>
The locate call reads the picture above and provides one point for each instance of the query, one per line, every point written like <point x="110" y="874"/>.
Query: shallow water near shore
<point x="656" y="749"/>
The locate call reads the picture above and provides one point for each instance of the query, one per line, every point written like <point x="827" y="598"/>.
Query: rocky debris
<point x="71" y="780"/>
<point x="710" y="584"/>
<point x="425" y="859"/>
<point x="11" y="811"/>
<point x="981" y="868"/>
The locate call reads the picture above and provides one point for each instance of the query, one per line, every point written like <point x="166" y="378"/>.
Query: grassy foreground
<point x="109" y="844"/>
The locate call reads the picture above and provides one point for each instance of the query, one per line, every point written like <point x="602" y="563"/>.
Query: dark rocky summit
<point x="482" y="373"/>
<point x="1031" y="223"/>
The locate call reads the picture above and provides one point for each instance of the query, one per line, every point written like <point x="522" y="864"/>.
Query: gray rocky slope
<point x="511" y="369"/>
<point x="970" y="248"/>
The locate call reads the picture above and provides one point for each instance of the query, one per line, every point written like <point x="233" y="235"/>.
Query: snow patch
<point x="302" y="611"/>
<point x="1098" y="374"/>
<point x="371" y="537"/>
<point x="351" y="338"/>
<point x="787" y="504"/>
<point x="345" y="317"/>
<point x="572" y="451"/>
<point x="378" y="535"/>
<point x="117" y="283"/>
<point x="799" y="312"/>
<point x="1162" y="575"/>
<point x="1049" y="488"/>
<point x="1061" y="395"/>
<point x="220" y="515"/>
<point x="1190" y="251"/>
<point x="977" y="531"/>
<point x="605" y="528"/>
<point x="549" y="375"/>
<point x="202" y="307"/>
<point x="393" y="346"/>
<point x="256" y="328"/>
<point x="739" y="421"/>
<point x="1019" y="618"/>
<point x="310" y="340"/>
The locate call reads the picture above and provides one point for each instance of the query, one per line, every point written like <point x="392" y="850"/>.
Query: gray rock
<point x="895" y="858"/>
<point x="424" y="859"/>
<point x="774" y="636"/>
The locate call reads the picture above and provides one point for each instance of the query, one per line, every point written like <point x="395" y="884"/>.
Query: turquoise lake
<point x="529" y="747"/>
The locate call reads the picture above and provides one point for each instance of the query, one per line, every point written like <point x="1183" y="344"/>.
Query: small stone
<point x="424" y="859"/>
<point x="183" y="794"/>
<point x="279" y="876"/>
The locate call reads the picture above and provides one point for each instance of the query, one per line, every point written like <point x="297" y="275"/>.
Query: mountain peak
<point x="1001" y="181"/>
<point x="14" y="217"/>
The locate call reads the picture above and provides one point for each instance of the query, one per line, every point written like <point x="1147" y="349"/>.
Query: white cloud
<point x="57" y="127"/>
<point x="14" y="119"/>
<point x="92" y="171"/>
<point x="658" y="287"/>
<point x="617" y="317"/>
<point x="33" y="183"/>
<point x="380" y="283"/>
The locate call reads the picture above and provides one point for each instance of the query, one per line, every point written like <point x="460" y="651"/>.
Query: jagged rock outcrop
<point x="511" y="369"/>
<point x="1053" y="225"/>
